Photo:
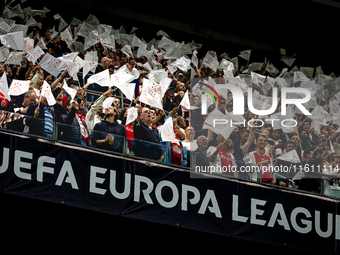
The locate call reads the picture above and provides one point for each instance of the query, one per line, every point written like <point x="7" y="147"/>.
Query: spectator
<point x="76" y="130"/>
<point x="284" y="177"/>
<point x="146" y="143"/>
<point x="116" y="103"/>
<point x="258" y="161"/>
<point x="275" y="139"/>
<point x="95" y="113"/>
<point x="202" y="160"/>
<point x="109" y="134"/>
<point x="331" y="185"/>
<point x="58" y="107"/>
<point x="41" y="119"/>
<point x="311" y="183"/>
<point x="306" y="142"/>
<point x="30" y="98"/>
<point x="167" y="100"/>
<point x="221" y="156"/>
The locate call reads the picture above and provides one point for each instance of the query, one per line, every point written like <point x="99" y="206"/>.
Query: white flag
<point x="72" y="92"/>
<point x="152" y="92"/>
<point x="136" y="42"/>
<point x="72" y="68"/>
<point x="89" y="66"/>
<point x="126" y="49"/>
<point x="161" y="32"/>
<point x="42" y="44"/>
<point x="102" y="78"/>
<point x="182" y="63"/>
<point x="122" y="75"/>
<point x="221" y="127"/>
<point x="28" y="45"/>
<point x="288" y="60"/>
<point x="91" y="39"/>
<point x="107" y="41"/>
<point x="165" y="43"/>
<point x="4" y="54"/>
<point x="4" y="27"/>
<point x="91" y="56"/>
<point x="158" y="75"/>
<point x="4" y="86"/>
<point x="66" y="36"/>
<point x="51" y="64"/>
<point x="19" y="27"/>
<point x="186" y="102"/>
<point x="257" y="78"/>
<point x="107" y="102"/>
<point x="128" y="89"/>
<point x="291" y="157"/>
<point x="62" y="22"/>
<point x="167" y="131"/>
<point x="211" y="62"/>
<point x="16" y="11"/>
<point x="132" y="114"/>
<point x="80" y="62"/>
<point x="14" y="58"/>
<point x="270" y="68"/>
<point x="245" y="54"/>
<point x="194" y="58"/>
<point x="37" y="53"/>
<point x="18" y="87"/>
<point x="320" y="115"/>
<point x="13" y="40"/>
<point x="143" y="52"/>
<point x="47" y="92"/>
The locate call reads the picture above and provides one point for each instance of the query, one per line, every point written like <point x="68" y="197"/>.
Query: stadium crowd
<point x="84" y="119"/>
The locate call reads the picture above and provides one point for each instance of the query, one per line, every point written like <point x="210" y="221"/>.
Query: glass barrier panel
<point x="37" y="127"/>
<point x="296" y="177"/>
<point x="79" y="135"/>
<point x="211" y="164"/>
<point x="109" y="142"/>
<point x="147" y="150"/>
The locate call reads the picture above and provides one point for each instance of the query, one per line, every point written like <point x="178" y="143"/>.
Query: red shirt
<point x="129" y="134"/>
<point x="226" y="160"/>
<point x="253" y="158"/>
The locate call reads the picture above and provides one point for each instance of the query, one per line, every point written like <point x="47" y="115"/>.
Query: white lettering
<point x="256" y="212"/>
<point x="307" y="223"/>
<point x="210" y="196"/>
<point x="235" y="215"/>
<point x="127" y="185"/>
<point x="5" y="160"/>
<point x="262" y="112"/>
<point x="94" y="179"/>
<point x="329" y="230"/>
<point x="66" y="170"/>
<point x="18" y="164"/>
<point x="295" y="101"/>
<point x="278" y="210"/>
<point x="219" y="122"/>
<point x="194" y="200"/>
<point x="159" y="196"/>
<point x="146" y="192"/>
<point x="41" y="169"/>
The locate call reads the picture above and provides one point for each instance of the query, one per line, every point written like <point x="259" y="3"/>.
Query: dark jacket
<point x="201" y="159"/>
<point x="71" y="131"/>
<point x="102" y="129"/>
<point x="36" y="125"/>
<point x="146" y="143"/>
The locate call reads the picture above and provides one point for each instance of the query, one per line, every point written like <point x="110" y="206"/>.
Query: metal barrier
<point x="122" y="146"/>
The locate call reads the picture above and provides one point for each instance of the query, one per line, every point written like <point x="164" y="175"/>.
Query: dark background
<point x="306" y="29"/>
